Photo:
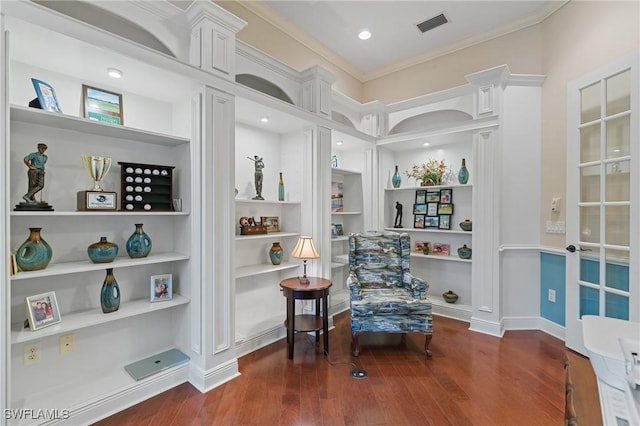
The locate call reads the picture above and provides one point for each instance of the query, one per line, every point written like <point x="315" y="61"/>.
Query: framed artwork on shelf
<point x="42" y="310"/>
<point x="102" y="105"/>
<point x="446" y="196"/>
<point x="421" y="196"/>
<point x="440" y="249"/>
<point x="432" y="209"/>
<point x="444" y="221"/>
<point x="337" y="195"/>
<point x="334" y="231"/>
<point x="418" y="246"/>
<point x="433" y="196"/>
<point x="161" y="287"/>
<point x="418" y="221"/>
<point x="445" y="208"/>
<point x="339" y="230"/>
<point x="271" y="222"/>
<point x="431" y="222"/>
<point x="46" y="96"/>
<point x="420" y="209"/>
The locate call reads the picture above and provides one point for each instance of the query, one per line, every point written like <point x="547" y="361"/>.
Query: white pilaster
<point x="316" y="91"/>
<point x="374" y="119"/>
<point x="489" y="85"/>
<point x="213" y="38"/>
<point x="321" y="209"/>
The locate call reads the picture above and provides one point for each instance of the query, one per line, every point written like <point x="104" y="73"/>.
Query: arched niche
<point x="341" y="118"/>
<point x="264" y="86"/>
<point x="431" y="120"/>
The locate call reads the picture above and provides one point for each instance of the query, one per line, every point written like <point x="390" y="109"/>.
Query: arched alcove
<point x="341" y="118"/>
<point x="430" y="120"/>
<point x="264" y="86"/>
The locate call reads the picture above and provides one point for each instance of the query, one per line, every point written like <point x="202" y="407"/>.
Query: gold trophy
<point x="96" y="198"/>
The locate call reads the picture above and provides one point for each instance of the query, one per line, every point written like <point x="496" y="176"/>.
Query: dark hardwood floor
<point x="472" y="379"/>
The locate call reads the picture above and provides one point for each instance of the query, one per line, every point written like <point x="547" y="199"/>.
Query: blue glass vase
<point x="280" y="188"/>
<point x="463" y="173"/>
<point x="396" y="180"/>
<point x="139" y="243"/>
<point x="110" y="293"/>
<point x="35" y="253"/>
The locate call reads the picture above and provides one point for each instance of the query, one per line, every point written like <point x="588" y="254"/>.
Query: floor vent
<point x="432" y="23"/>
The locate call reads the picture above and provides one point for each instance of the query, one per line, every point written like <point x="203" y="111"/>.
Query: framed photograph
<point x="421" y="196"/>
<point x="433" y="196"/>
<point x="161" y="287"/>
<point x="337" y="196"/>
<point x="419" y="209"/>
<point x="418" y="221"/>
<point x="445" y="208"/>
<point x="42" y="310"/>
<point x="432" y="209"/>
<point x="46" y="96"/>
<point x="445" y="222"/>
<point x="102" y="105"/>
<point x="271" y="222"/>
<point x="431" y="222"/>
<point x="418" y="246"/>
<point x="440" y="249"/>
<point x="339" y="230"/>
<point x="334" y="231"/>
<point x="446" y="196"/>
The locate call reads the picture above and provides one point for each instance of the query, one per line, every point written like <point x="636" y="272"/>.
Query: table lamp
<point x="305" y="249"/>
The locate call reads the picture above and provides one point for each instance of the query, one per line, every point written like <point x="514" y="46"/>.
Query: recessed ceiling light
<point x="426" y="144"/>
<point x="364" y="35"/>
<point x="114" y="73"/>
<point x="339" y="143"/>
<point x="264" y="119"/>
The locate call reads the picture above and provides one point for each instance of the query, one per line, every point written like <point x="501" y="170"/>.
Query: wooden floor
<point x="472" y="379"/>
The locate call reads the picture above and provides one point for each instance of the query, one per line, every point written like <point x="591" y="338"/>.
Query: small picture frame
<point x="446" y="196"/>
<point x="42" y="310"/>
<point x="339" y="230"/>
<point x="421" y="196"/>
<point x="440" y="249"/>
<point x="433" y="196"/>
<point x="102" y="105"/>
<point x="431" y="222"/>
<point x="46" y="96"/>
<point x="161" y="287"/>
<point x="432" y="209"/>
<point x="445" y="208"/>
<point x="418" y="221"/>
<point x="420" y="209"/>
<point x="334" y="231"/>
<point x="418" y="246"/>
<point x="444" y="221"/>
<point x="271" y="222"/>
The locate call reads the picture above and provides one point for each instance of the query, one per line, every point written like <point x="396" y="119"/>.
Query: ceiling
<point x="330" y="28"/>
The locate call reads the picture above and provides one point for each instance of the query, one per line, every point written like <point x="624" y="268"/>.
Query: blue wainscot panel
<point x="552" y="276"/>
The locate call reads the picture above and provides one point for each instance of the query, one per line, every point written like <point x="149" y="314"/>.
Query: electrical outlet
<point x="32" y="353"/>
<point x="552" y="295"/>
<point x="67" y="344"/>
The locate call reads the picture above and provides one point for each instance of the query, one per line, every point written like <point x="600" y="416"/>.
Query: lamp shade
<point x="305" y="249"/>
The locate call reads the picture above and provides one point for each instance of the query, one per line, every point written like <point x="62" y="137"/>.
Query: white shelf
<point x="82" y="319"/>
<point x="434" y="231"/>
<point x="429" y="188"/>
<point x="268" y="235"/>
<point x="438" y="301"/>
<point x="33" y="116"/>
<point x="335" y="265"/>
<point x="86" y="265"/>
<point x="445" y="258"/>
<point x="290" y="203"/>
<point x="341" y="258"/>
<point x="338" y="170"/>
<point x="340" y="238"/>
<point x="253" y="270"/>
<point x="345" y="213"/>
<point x="97" y="213"/>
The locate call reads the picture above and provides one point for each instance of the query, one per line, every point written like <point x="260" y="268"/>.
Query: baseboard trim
<point x="551" y="328"/>
<point x="260" y="340"/>
<point x="204" y="381"/>
<point x="487" y="327"/>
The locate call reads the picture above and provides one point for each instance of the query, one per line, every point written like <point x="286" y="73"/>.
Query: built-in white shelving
<point x="255" y="270"/>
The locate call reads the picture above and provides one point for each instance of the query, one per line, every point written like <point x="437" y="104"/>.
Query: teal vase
<point x="110" y="293"/>
<point x="35" y="253"/>
<point x="276" y="253"/>
<point x="463" y="173"/>
<point x="139" y="243"/>
<point x="280" y="188"/>
<point x="396" y="180"/>
<point x="103" y="251"/>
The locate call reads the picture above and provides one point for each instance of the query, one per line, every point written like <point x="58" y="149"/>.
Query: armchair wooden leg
<point x="355" y="339"/>
<point x="427" y="340"/>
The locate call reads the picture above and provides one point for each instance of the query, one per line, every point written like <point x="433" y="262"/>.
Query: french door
<point x="603" y="191"/>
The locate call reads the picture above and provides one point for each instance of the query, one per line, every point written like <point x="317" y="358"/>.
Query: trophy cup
<point x="96" y="198"/>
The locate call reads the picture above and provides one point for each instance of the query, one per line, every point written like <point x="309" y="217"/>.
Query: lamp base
<point x="304" y="280"/>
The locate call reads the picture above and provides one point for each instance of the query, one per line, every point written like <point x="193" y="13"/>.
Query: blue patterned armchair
<point x="385" y="296"/>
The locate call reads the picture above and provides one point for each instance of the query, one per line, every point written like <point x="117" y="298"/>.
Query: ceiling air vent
<point x="432" y="23"/>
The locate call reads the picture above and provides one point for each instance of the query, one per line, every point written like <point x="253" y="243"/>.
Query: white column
<point x="316" y="91"/>
<point x="374" y="120"/>
<point x="320" y="210"/>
